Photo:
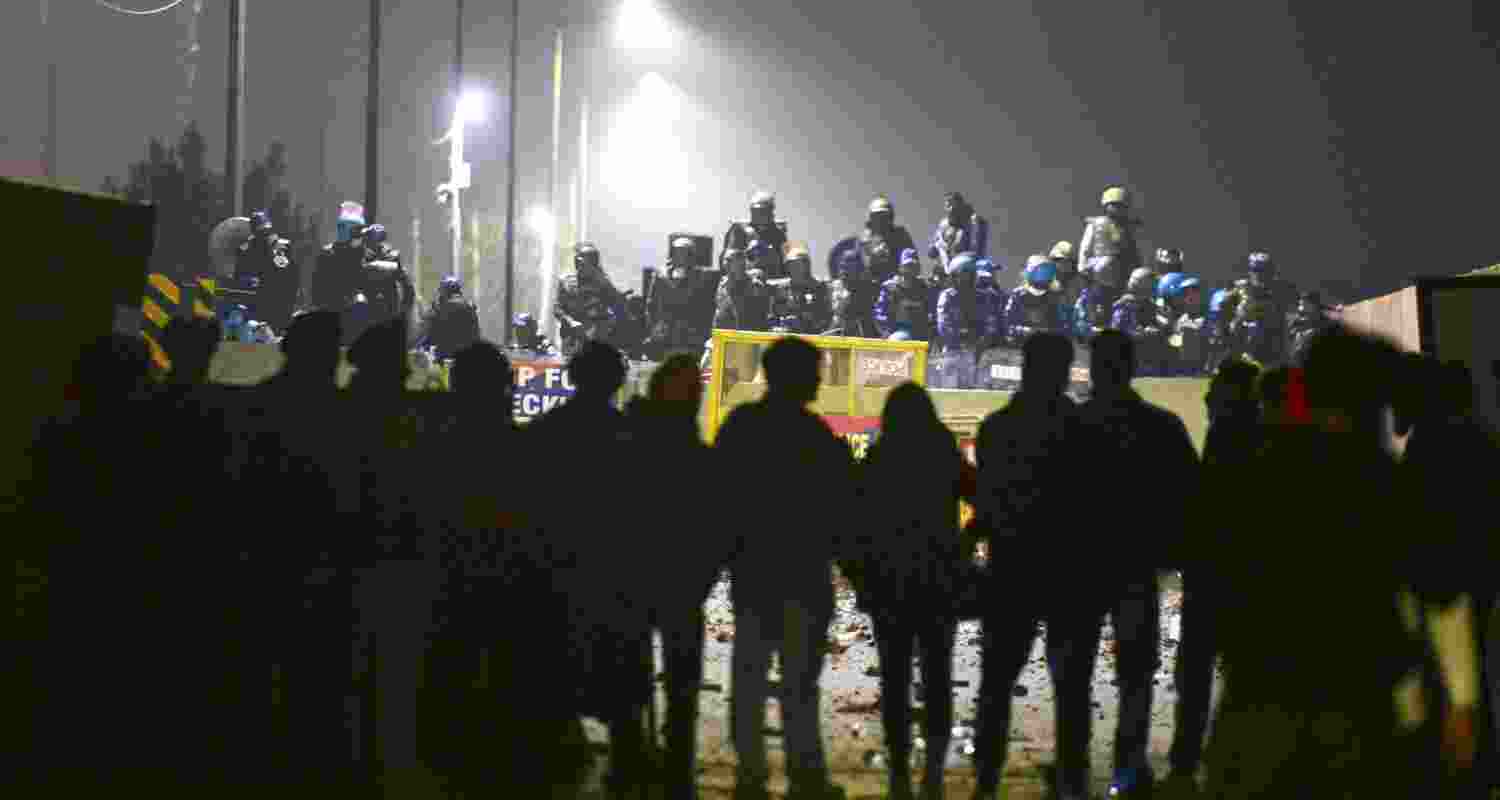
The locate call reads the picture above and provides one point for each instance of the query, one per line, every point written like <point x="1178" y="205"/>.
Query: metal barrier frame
<point x="723" y="336"/>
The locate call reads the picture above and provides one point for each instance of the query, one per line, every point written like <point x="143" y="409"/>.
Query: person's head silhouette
<point x="677" y="386"/>
<point x="597" y="371"/>
<point x="1046" y="361"/>
<point x="1232" y="390"/>
<point x="190" y="344"/>
<point x="311" y="345"/>
<point x="1347" y="379"/>
<point x="379" y="356"/>
<point x="110" y="369"/>
<point x="792" y="371"/>
<point x="908" y="411"/>
<point x="1111" y="361"/>
<point x="482" y="372"/>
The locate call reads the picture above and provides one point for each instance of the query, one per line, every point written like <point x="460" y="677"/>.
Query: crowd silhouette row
<point x="226" y="568"/>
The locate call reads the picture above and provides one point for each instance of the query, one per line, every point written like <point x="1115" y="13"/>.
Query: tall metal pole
<point x="49" y="145"/>
<point x="456" y="264"/>
<point x="235" y="130"/>
<point x="551" y="259"/>
<point x="510" y="192"/>
<point x="372" y="120"/>
<point x="583" y="168"/>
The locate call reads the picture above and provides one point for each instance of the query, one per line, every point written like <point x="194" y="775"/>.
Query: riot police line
<point x="879" y="286"/>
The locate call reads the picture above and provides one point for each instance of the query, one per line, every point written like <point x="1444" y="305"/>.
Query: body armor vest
<point x="1112" y="250"/>
<point x="801" y="308"/>
<point x="1036" y="311"/>
<point x="909" y="308"/>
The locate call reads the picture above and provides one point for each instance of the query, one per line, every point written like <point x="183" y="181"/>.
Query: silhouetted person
<point x="190" y="344"/>
<point x="911" y="571"/>
<point x="1314" y="662"/>
<point x="1273" y="395"/>
<point x="379" y="360"/>
<point x="1452" y="459"/>
<point x="596" y="565"/>
<point x="781" y="572"/>
<point x="1028" y="454"/>
<point x="471" y="731"/>
<point x="396" y="592"/>
<point x="1142" y="449"/>
<point x="100" y="583"/>
<point x="301" y="458"/>
<point x="1234" y="435"/>
<point x="665" y="420"/>
<point x="311" y="351"/>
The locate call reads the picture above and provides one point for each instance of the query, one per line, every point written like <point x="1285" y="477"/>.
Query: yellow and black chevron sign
<point x="165" y="299"/>
<point x="160" y="304"/>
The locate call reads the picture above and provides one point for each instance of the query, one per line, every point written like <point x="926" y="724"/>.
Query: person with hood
<point x="881" y="243"/>
<point x="961" y="230"/>
<point x="910" y="569"/>
<point x="903" y="310"/>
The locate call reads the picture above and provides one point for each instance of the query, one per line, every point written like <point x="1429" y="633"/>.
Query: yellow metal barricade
<point x="857" y="376"/>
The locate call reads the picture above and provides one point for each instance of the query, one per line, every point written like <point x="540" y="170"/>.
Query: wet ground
<point x="851" y="718"/>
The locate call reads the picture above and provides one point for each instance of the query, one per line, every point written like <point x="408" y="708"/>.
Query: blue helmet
<point x="1216" y="304"/>
<point x="523" y="320"/>
<point x="1260" y="261"/>
<point x="260" y="220"/>
<point x="375" y="234"/>
<point x="450" y="285"/>
<point x="1169" y="286"/>
<point x="1188" y="282"/>
<point x="1041" y="274"/>
<point x="963" y="262"/>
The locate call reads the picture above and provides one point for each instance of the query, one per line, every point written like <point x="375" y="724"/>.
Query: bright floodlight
<point x="540" y="221"/>
<point x="470" y="106"/>
<point x="642" y="26"/>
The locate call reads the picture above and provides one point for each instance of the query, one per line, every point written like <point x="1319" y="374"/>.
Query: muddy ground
<point x="851" y="718"/>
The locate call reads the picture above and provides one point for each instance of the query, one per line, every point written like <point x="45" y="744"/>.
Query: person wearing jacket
<point x="910" y="569"/>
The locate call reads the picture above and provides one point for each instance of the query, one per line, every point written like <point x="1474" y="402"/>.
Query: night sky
<point x="1359" y="149"/>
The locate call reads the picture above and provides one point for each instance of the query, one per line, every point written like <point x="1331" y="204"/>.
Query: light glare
<point x="642" y="26"/>
<point x="470" y="106"/>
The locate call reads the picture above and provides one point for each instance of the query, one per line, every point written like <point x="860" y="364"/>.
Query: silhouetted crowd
<point x="319" y="590"/>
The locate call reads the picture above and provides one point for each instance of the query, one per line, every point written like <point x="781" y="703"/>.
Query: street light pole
<point x="49" y="145"/>
<point x="510" y="198"/>
<point x="456" y="158"/>
<point x="372" y="120"/>
<point x="550" y="260"/>
<point x="234" y="138"/>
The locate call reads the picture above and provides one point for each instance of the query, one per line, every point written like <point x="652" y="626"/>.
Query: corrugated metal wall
<point x="1393" y="316"/>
